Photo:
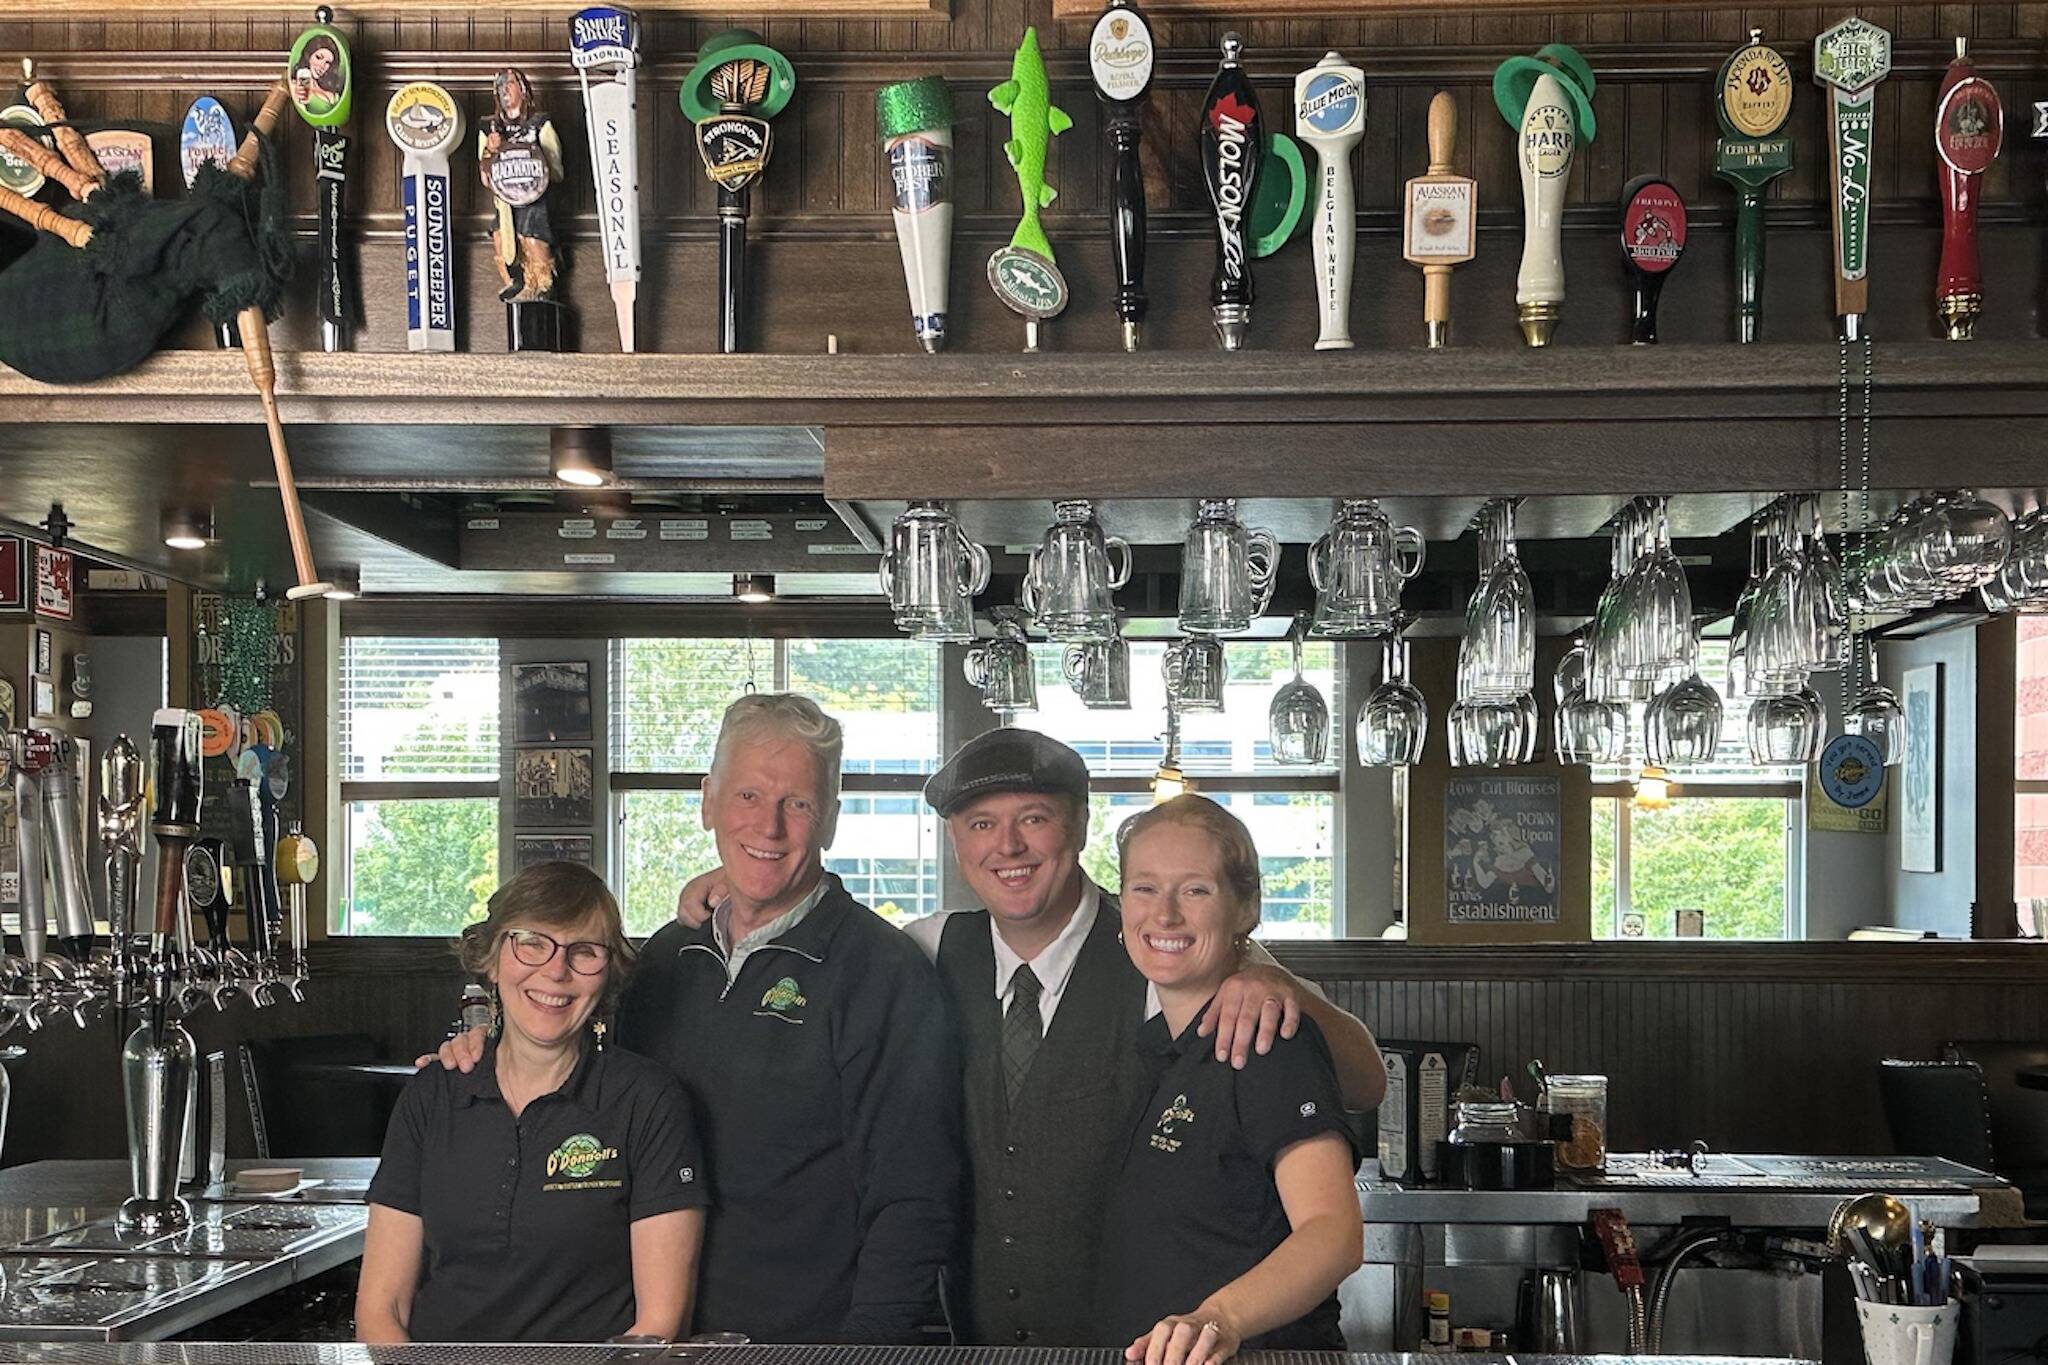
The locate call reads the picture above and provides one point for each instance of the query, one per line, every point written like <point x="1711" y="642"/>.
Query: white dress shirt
<point x="736" y="954"/>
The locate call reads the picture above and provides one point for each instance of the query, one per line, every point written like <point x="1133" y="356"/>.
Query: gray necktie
<point x="1023" y="1030"/>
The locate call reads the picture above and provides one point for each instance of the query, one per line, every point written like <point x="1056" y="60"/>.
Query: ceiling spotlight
<point x="343" y="584"/>
<point x="581" y="456"/>
<point x="186" y="528"/>
<point x="753" y="587"/>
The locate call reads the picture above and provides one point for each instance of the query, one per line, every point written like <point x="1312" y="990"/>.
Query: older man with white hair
<point x="821" y="1052"/>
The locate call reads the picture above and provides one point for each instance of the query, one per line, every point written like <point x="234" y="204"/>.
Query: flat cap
<point x="1006" y="760"/>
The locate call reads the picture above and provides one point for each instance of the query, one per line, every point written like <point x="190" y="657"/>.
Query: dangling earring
<point x="598" y="1029"/>
<point x="497" y="1013"/>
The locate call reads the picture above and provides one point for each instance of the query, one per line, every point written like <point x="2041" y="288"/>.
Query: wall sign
<point x="1851" y="794"/>
<point x="1920" y="780"/>
<point x="13" y="573"/>
<point x="54" y="596"/>
<point x="1501" y="850"/>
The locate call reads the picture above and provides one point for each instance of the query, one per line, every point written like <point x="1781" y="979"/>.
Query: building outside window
<point x="419" y="785"/>
<point x="2030" y="770"/>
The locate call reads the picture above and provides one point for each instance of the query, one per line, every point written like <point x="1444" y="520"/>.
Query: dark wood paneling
<point x="1758" y="1047"/>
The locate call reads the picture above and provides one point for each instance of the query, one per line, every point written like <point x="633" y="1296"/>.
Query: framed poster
<point x="1920" y="774"/>
<point x="551" y="788"/>
<point x="529" y="849"/>
<point x="1501" y="850"/>
<point x="13" y="573"/>
<point x="53" y="584"/>
<point x="43" y="698"/>
<point x="551" y="702"/>
<point x="45" y="652"/>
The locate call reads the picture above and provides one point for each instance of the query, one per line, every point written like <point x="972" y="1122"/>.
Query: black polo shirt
<point x="1195" y="1206"/>
<point x="528" y="1220"/>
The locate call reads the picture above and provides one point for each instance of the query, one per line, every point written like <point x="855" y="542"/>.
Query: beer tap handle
<point x="736" y="86"/>
<point x="1120" y="57"/>
<point x="1969" y="125"/>
<point x="28" y="812"/>
<point x="1545" y="161"/>
<point x="732" y="266"/>
<point x="1652" y="240"/>
<point x="1233" y="145"/>
<point x="322" y="81"/>
<point x="1849" y="60"/>
<point x="64" y="850"/>
<point x="121" y="800"/>
<point x="1329" y="112"/>
<point x="1755" y="100"/>
<point x="1438" y="229"/>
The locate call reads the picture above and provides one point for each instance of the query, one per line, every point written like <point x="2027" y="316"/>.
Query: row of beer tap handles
<point x="1546" y="98"/>
<point x="156" y="962"/>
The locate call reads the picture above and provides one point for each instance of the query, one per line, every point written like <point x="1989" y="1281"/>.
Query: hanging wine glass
<point x="1875" y="713"/>
<point x="1298" y="721"/>
<point x="1497" y="653"/>
<point x="1788" y="729"/>
<point x="1393" y="724"/>
<point x="1682" y="724"/>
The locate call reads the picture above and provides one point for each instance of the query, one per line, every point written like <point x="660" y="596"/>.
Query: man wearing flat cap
<point x="1049" y="1008"/>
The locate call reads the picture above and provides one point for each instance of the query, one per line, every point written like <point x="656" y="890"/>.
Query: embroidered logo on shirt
<point x="579" y="1157"/>
<point x="782" y="997"/>
<point x="1170" y="1118"/>
<point x="1308" y="1111"/>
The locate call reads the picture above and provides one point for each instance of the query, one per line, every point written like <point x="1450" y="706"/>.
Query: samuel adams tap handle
<point x="1652" y="240"/>
<point x="1849" y="60"/>
<point x="1233" y="136"/>
<point x="1969" y="125"/>
<point x="1120" y="56"/>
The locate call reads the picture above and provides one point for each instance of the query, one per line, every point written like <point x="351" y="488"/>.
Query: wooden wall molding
<point x="749" y="9"/>
<point x="1325" y="9"/>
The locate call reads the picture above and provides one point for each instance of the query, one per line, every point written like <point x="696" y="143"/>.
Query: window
<point x="1727" y="845"/>
<point x="2030" y="800"/>
<point x="667" y="699"/>
<point x="419" y="762"/>
<point x="1290" y="811"/>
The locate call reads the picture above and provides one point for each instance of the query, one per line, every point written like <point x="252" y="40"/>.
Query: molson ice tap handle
<point x="1849" y="60"/>
<point x="1969" y="126"/>
<point x="1439" y="228"/>
<point x="915" y="119"/>
<point x="1233" y="141"/>
<point x="1548" y="100"/>
<point x="1329" y="114"/>
<point x="1755" y="99"/>
<point x="1120" y="57"/>
<point x="423" y="120"/>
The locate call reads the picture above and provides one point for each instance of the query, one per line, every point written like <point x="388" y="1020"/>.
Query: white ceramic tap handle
<point x="1329" y="113"/>
<point x="1544" y="158"/>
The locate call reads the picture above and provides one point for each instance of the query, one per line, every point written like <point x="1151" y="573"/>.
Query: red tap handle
<point x="1968" y="128"/>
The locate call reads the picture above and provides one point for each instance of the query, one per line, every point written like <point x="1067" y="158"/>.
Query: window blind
<point x="419" y="709"/>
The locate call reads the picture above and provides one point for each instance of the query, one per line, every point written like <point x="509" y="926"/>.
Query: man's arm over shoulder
<point x="898" y="1055"/>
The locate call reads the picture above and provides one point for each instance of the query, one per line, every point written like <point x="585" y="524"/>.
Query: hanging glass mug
<point x="1226" y="572"/>
<point x="932" y="574"/>
<point x="1359" y="567"/>
<point x="1069" y="588"/>
<point x="1196" y="673"/>
<point x="1099" y="671"/>
<point x="1001" y="668"/>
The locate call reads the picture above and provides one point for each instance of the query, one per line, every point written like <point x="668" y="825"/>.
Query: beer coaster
<point x="266" y="1179"/>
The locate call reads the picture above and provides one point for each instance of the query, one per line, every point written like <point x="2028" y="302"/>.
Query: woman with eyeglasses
<point x="557" y="1192"/>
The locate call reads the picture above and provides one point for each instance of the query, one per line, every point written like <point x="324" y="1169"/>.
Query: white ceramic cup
<point x="1897" y="1335"/>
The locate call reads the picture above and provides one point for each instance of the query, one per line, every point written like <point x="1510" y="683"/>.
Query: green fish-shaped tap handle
<point x="1023" y="274"/>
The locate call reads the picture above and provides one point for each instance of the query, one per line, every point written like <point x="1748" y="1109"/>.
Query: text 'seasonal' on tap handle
<point x="1969" y="126"/>
<point x="1120" y="56"/>
<point x="1233" y="136"/>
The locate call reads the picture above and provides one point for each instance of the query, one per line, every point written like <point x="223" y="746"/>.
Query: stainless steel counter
<point x="66" y="1275"/>
<point x="159" y="1353"/>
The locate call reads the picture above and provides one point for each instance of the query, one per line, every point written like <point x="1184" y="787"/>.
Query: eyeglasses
<point x="535" y="949"/>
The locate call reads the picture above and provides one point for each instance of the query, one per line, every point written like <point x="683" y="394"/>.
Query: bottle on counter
<point x="476" y="1008"/>
<point x="1437" y="1338"/>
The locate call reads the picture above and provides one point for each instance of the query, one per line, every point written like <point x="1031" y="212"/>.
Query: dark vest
<point x="1039" y="1173"/>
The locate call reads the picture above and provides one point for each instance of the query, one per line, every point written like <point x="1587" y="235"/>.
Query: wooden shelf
<point x="1472" y="422"/>
<point x="753" y="9"/>
<point x="1332" y="9"/>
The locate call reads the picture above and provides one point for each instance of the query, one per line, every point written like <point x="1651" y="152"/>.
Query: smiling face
<point x="766" y="806"/>
<point x="1020" y="853"/>
<point x="549" y="1004"/>
<point x="1181" y="919"/>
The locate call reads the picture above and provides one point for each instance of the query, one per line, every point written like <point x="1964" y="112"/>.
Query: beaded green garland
<point x="248" y="630"/>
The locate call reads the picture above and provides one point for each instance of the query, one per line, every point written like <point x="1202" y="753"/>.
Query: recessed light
<point x="754" y="587"/>
<point x="186" y="528"/>
<point x="581" y="456"/>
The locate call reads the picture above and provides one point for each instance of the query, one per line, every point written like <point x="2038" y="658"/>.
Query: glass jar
<point x="1585" y="1099"/>
<point x="1484" y="1121"/>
